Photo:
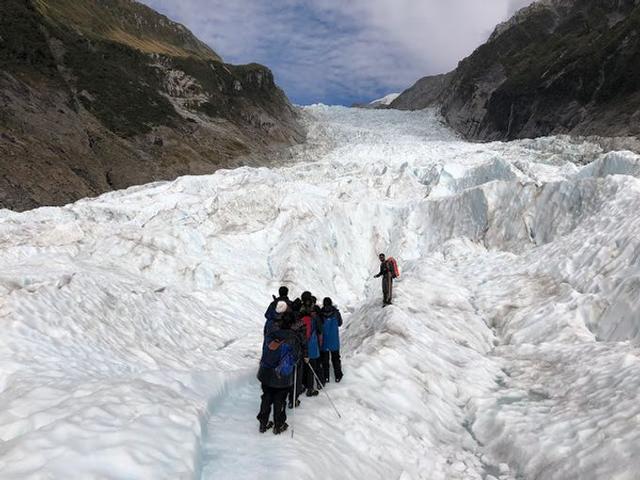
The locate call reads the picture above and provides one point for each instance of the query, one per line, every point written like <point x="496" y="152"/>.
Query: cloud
<point x="337" y="51"/>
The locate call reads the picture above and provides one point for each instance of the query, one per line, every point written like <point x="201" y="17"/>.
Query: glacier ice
<point x="132" y="321"/>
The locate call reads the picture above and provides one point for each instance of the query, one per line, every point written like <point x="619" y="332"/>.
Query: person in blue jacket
<point x="280" y="353"/>
<point x="313" y="335"/>
<point x="330" y="349"/>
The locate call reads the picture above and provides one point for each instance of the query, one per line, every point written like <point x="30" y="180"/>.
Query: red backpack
<point x="395" y="271"/>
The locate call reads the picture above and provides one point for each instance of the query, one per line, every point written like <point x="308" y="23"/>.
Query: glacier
<point x="132" y="322"/>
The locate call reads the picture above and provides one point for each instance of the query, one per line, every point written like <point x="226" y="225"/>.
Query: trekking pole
<point x="295" y="400"/>
<point x="324" y="390"/>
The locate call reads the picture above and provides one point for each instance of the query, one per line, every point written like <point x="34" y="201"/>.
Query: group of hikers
<point x="301" y="342"/>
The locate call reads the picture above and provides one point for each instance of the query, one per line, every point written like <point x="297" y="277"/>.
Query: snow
<point x="386" y="100"/>
<point x="132" y="322"/>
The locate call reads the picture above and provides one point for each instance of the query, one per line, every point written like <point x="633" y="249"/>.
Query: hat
<point x="281" y="307"/>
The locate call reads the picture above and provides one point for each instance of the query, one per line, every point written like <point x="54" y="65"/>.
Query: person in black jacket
<point x="299" y="387"/>
<point x="274" y="319"/>
<point x="283" y="296"/>
<point x="276" y="384"/>
<point x="386" y="273"/>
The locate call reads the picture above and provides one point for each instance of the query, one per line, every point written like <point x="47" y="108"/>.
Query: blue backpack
<point x="279" y="356"/>
<point x="287" y="361"/>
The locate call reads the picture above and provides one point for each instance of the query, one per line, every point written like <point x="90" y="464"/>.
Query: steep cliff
<point x="426" y="92"/>
<point x="103" y="94"/>
<point x="558" y="66"/>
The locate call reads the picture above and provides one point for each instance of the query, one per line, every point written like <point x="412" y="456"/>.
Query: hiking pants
<point x="387" y="289"/>
<point x="276" y="397"/>
<point x="334" y="357"/>
<point x="309" y="378"/>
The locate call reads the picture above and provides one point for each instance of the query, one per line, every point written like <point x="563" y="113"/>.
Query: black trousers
<point x="387" y="289"/>
<point x="331" y="357"/>
<point x="276" y="397"/>
<point x="299" y="379"/>
<point x="309" y="379"/>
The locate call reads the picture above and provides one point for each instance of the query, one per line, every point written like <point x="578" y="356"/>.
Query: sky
<point x="342" y="51"/>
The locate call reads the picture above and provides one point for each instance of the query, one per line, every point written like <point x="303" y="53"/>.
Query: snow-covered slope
<point x="386" y="100"/>
<point x="132" y="322"/>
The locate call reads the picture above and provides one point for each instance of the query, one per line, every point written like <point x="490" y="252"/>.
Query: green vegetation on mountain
<point x="103" y="94"/>
<point x="128" y="23"/>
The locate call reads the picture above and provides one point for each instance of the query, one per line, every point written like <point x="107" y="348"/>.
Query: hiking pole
<point x="295" y="400"/>
<point x="324" y="390"/>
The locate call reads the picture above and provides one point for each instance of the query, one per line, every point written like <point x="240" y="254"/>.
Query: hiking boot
<point x="338" y="378"/>
<point x="265" y="426"/>
<point x="326" y="380"/>
<point x="291" y="403"/>
<point x="279" y="429"/>
<point x="312" y="393"/>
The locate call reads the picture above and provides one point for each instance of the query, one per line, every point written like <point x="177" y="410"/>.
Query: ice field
<point x="132" y="323"/>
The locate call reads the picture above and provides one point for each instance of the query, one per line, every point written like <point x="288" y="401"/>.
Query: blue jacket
<point x="270" y="359"/>
<point x="330" y="330"/>
<point x="313" y="329"/>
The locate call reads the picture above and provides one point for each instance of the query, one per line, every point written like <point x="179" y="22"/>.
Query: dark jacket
<point x="271" y="314"/>
<point x="331" y="321"/>
<point x="296" y="305"/>
<point x="268" y="362"/>
<point x="300" y="329"/>
<point x="385" y="270"/>
<point x="271" y="309"/>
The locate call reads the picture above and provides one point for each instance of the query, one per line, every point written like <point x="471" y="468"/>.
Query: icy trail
<point x="132" y="322"/>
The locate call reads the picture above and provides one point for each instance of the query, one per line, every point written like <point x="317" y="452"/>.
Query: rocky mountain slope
<point x="98" y="95"/>
<point x="557" y="66"/>
<point x="426" y="92"/>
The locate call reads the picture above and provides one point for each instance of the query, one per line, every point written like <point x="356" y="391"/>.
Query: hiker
<point x="330" y="350"/>
<point x="313" y="336"/>
<point x="317" y="317"/>
<point x="280" y="353"/>
<point x="298" y="388"/>
<point x="316" y="307"/>
<point x="275" y="317"/>
<point x="283" y="296"/>
<point x="388" y="273"/>
<point x="296" y="305"/>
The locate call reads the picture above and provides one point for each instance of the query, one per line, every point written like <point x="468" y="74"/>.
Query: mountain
<point x="557" y="66"/>
<point x="97" y="95"/>
<point x="424" y="93"/>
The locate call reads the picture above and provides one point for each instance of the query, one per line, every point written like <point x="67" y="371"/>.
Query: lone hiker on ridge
<point x="388" y="271"/>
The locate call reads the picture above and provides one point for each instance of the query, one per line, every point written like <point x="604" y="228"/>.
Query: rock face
<point x="426" y="92"/>
<point x="558" y="66"/>
<point x="98" y="95"/>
